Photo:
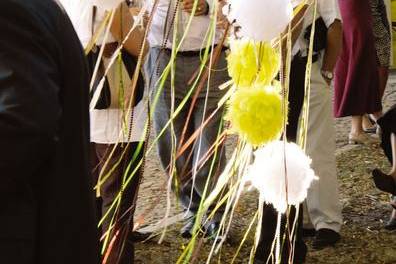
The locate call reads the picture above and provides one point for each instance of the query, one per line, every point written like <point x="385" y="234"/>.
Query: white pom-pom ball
<point x="267" y="174"/>
<point x="260" y="20"/>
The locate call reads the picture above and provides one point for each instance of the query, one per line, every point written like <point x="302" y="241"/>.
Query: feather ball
<point x="267" y="174"/>
<point x="260" y="20"/>
<point x="252" y="62"/>
<point x="256" y="115"/>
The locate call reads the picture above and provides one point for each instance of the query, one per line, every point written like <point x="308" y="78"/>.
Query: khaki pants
<point x="323" y="203"/>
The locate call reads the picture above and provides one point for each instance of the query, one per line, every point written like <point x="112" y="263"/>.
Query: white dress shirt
<point x="197" y="33"/>
<point x="80" y="13"/>
<point x="327" y="9"/>
<point x="108" y="126"/>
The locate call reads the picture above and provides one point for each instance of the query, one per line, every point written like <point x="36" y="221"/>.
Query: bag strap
<point x="94" y="12"/>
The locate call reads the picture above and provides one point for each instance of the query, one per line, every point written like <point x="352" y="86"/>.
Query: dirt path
<point x="365" y="211"/>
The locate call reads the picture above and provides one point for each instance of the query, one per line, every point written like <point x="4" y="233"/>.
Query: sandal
<point x="370" y="130"/>
<point x="362" y="138"/>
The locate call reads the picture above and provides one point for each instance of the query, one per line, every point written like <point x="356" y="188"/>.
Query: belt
<point x="315" y="57"/>
<point x="193" y="53"/>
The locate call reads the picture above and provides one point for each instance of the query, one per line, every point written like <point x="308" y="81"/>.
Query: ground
<point x="365" y="210"/>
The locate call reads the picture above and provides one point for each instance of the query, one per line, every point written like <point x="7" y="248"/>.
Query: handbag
<point x="104" y="101"/>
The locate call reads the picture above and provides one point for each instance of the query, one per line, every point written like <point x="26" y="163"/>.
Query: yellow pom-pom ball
<point x="256" y="114"/>
<point x="252" y="62"/>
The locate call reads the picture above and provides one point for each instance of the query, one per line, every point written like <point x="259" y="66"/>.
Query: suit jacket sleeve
<point x="29" y="94"/>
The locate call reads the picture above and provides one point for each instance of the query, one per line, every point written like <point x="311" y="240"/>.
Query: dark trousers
<point x="269" y="223"/>
<point x="268" y="230"/>
<point x="122" y="250"/>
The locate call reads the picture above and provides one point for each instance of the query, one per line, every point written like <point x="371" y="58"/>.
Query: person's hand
<point x="222" y="20"/>
<point x="135" y="11"/>
<point x="202" y="7"/>
<point x="328" y="82"/>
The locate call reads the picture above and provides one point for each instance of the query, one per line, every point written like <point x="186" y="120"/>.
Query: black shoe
<point x="138" y="237"/>
<point x="300" y="253"/>
<point x="308" y="232"/>
<point x="212" y="230"/>
<point x="187" y="230"/>
<point x="384" y="182"/>
<point x="393" y="202"/>
<point x="325" y="238"/>
<point x="391" y="225"/>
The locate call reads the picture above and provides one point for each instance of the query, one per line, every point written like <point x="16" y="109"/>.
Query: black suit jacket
<point x="46" y="197"/>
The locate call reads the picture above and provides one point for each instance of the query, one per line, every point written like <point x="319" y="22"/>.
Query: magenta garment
<point x="356" y="73"/>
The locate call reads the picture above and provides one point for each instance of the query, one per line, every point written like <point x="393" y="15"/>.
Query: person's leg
<point x="357" y="135"/>
<point x="122" y="251"/>
<point x="269" y="221"/>
<point x="387" y="182"/>
<point x="95" y="171"/>
<point x="356" y="125"/>
<point x="323" y="202"/>
<point x="368" y="125"/>
<point x="383" y="73"/>
<point x="18" y="251"/>
<point x="265" y="251"/>
<point x="128" y="201"/>
<point x="209" y="158"/>
<point x="176" y="159"/>
<point x="393" y="146"/>
<point x="391" y="224"/>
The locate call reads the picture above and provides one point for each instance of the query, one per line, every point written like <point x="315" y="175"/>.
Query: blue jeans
<point x="193" y="169"/>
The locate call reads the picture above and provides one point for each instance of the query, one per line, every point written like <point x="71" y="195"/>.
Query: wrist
<point x="327" y="75"/>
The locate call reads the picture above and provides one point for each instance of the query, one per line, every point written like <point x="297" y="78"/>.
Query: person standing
<point x="48" y="213"/>
<point x="323" y="203"/>
<point x="118" y="124"/>
<point x="356" y="75"/>
<point x="323" y="206"/>
<point x="195" y="166"/>
<point x="382" y="42"/>
<point x="387" y="181"/>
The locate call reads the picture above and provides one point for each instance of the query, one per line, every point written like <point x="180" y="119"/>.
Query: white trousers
<point x="323" y="208"/>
